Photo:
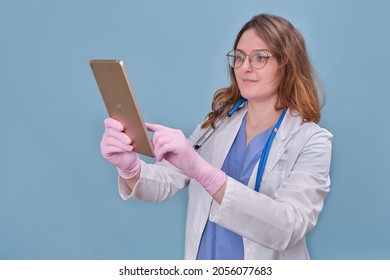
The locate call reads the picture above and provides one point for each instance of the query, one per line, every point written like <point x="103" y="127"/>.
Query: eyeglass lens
<point x="257" y="58"/>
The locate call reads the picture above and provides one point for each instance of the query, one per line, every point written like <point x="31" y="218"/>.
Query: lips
<point x="246" y="80"/>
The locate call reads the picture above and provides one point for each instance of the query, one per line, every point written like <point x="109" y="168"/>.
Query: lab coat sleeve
<point x="282" y="220"/>
<point x="158" y="181"/>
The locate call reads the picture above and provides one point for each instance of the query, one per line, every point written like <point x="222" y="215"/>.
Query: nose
<point x="246" y="65"/>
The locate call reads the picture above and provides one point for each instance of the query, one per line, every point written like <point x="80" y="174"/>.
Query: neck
<point x="260" y="116"/>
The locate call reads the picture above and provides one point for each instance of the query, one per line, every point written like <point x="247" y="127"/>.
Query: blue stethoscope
<point x="264" y="155"/>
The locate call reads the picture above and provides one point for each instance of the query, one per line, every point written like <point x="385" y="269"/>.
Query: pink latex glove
<point x="117" y="149"/>
<point x="171" y="144"/>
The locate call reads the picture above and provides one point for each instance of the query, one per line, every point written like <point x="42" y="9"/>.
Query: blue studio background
<point x="58" y="196"/>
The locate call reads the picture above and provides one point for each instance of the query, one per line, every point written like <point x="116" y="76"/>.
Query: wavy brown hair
<point x="299" y="86"/>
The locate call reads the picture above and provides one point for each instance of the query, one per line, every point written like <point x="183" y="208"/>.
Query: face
<point x="256" y="85"/>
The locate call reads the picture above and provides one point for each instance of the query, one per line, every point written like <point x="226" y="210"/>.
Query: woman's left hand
<point x="172" y="145"/>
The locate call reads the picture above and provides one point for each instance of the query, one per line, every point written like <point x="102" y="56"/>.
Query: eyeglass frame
<point x="246" y="55"/>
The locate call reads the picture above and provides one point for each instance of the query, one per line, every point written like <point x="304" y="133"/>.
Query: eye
<point x="260" y="57"/>
<point x="240" y="57"/>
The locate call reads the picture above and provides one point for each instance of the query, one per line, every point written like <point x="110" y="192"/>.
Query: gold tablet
<point x="120" y="102"/>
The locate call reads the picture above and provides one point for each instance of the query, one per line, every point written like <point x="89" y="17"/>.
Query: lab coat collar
<point x="290" y="125"/>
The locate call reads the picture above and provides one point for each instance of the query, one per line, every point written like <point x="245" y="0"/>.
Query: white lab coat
<point x="274" y="222"/>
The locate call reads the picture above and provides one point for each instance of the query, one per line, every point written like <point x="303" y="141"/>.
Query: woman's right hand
<point x="117" y="149"/>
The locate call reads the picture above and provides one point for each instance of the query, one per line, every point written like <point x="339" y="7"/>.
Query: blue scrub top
<point x="219" y="243"/>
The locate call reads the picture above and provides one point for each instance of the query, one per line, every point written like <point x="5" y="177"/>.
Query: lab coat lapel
<point x="288" y="127"/>
<point x="224" y="137"/>
<point x="276" y="152"/>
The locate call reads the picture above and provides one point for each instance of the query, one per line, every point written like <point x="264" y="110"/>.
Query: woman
<point x="257" y="184"/>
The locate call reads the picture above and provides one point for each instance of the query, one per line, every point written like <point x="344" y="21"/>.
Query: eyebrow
<point x="266" y="50"/>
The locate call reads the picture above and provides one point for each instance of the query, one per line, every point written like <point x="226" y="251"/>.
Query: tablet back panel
<point x="120" y="102"/>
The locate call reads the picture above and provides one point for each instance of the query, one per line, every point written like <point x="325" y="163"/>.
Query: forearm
<point x="276" y="223"/>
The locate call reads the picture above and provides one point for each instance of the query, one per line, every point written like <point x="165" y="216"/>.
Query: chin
<point x="252" y="94"/>
<point x="260" y="97"/>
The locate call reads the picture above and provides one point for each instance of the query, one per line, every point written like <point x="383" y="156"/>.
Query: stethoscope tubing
<point x="266" y="150"/>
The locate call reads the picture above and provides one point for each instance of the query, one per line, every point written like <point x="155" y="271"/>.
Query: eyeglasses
<point x="257" y="58"/>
